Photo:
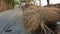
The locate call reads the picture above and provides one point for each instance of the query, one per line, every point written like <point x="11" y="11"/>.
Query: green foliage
<point x="17" y="2"/>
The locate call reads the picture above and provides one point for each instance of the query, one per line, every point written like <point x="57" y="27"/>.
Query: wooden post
<point x="48" y="2"/>
<point x="40" y="2"/>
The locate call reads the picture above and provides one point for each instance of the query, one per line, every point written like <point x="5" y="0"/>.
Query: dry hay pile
<point x="37" y="16"/>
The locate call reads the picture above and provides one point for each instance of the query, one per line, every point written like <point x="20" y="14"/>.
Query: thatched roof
<point x="51" y="14"/>
<point x="33" y="16"/>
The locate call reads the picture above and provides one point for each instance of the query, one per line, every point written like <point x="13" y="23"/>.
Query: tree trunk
<point x="6" y="5"/>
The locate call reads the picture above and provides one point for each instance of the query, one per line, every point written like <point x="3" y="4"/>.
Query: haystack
<point x="34" y="17"/>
